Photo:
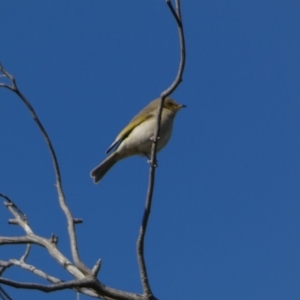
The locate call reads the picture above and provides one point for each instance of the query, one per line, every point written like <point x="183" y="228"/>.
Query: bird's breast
<point x="139" y="140"/>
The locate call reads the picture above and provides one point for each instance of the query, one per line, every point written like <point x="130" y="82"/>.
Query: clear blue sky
<point x="225" y="222"/>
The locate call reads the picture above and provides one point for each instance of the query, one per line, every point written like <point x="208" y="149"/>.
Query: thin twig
<point x="35" y="271"/>
<point x="25" y="255"/>
<point x="16" y="208"/>
<point x="164" y="94"/>
<point x="22" y="264"/>
<point x="77" y="283"/>
<point x="103" y="291"/>
<point x="20" y="218"/>
<point x="4" y="265"/>
<point x="31" y="238"/>
<point x="173" y="11"/>
<point x="93" y="288"/>
<point x="62" y="201"/>
<point x="97" y="267"/>
<point x="4" y="295"/>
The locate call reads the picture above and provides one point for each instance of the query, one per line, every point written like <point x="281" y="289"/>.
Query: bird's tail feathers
<point x="103" y="168"/>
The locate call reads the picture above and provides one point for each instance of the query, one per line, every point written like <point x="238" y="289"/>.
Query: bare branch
<point x="4" y="265"/>
<point x="22" y="264"/>
<point x="34" y="270"/>
<point x="164" y="94"/>
<point x="25" y="255"/>
<point x="20" y="218"/>
<point x="61" y="196"/>
<point x="48" y="288"/>
<point x="9" y="202"/>
<point x="4" y="295"/>
<point x="31" y="238"/>
<point x="85" y="281"/>
<point x="52" y="249"/>
<point x="97" y="288"/>
<point x="175" y="15"/>
<point x="16" y="240"/>
<point x="46" y="276"/>
<point x="7" y="75"/>
<point x="93" y="287"/>
<point x="97" y="267"/>
<point x="103" y="291"/>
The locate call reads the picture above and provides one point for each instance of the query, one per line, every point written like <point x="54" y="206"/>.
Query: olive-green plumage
<point x="135" y="138"/>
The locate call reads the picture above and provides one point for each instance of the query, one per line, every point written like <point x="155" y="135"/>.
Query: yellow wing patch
<point x="126" y="131"/>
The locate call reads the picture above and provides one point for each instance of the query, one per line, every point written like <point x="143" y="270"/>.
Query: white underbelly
<point x="140" y="137"/>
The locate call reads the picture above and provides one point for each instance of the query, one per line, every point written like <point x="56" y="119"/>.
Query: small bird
<point x="136" y="137"/>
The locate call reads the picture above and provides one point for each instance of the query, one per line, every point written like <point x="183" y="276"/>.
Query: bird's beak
<point x="182" y="106"/>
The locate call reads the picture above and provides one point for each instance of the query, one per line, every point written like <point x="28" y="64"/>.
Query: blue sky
<point x="225" y="219"/>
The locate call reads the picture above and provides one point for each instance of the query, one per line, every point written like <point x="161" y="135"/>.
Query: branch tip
<point x="77" y="221"/>
<point x="13" y="222"/>
<point x="97" y="267"/>
<point x="54" y="239"/>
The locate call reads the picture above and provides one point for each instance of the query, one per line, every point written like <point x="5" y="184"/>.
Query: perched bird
<point x="136" y="137"/>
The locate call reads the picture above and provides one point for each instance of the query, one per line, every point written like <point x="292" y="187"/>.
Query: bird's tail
<point x="101" y="169"/>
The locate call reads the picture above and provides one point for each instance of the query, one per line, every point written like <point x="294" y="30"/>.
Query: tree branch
<point x="22" y="264"/>
<point x="62" y="201"/>
<point x="48" y="288"/>
<point x="85" y="278"/>
<point x="93" y="287"/>
<point x="4" y="295"/>
<point x="32" y="238"/>
<point x="140" y="242"/>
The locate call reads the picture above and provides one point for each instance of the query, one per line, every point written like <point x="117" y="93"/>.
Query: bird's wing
<point x="138" y="119"/>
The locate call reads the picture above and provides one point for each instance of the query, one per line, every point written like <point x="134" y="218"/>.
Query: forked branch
<point x="84" y="283"/>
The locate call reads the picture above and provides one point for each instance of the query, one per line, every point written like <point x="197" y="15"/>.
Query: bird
<point x="137" y="137"/>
